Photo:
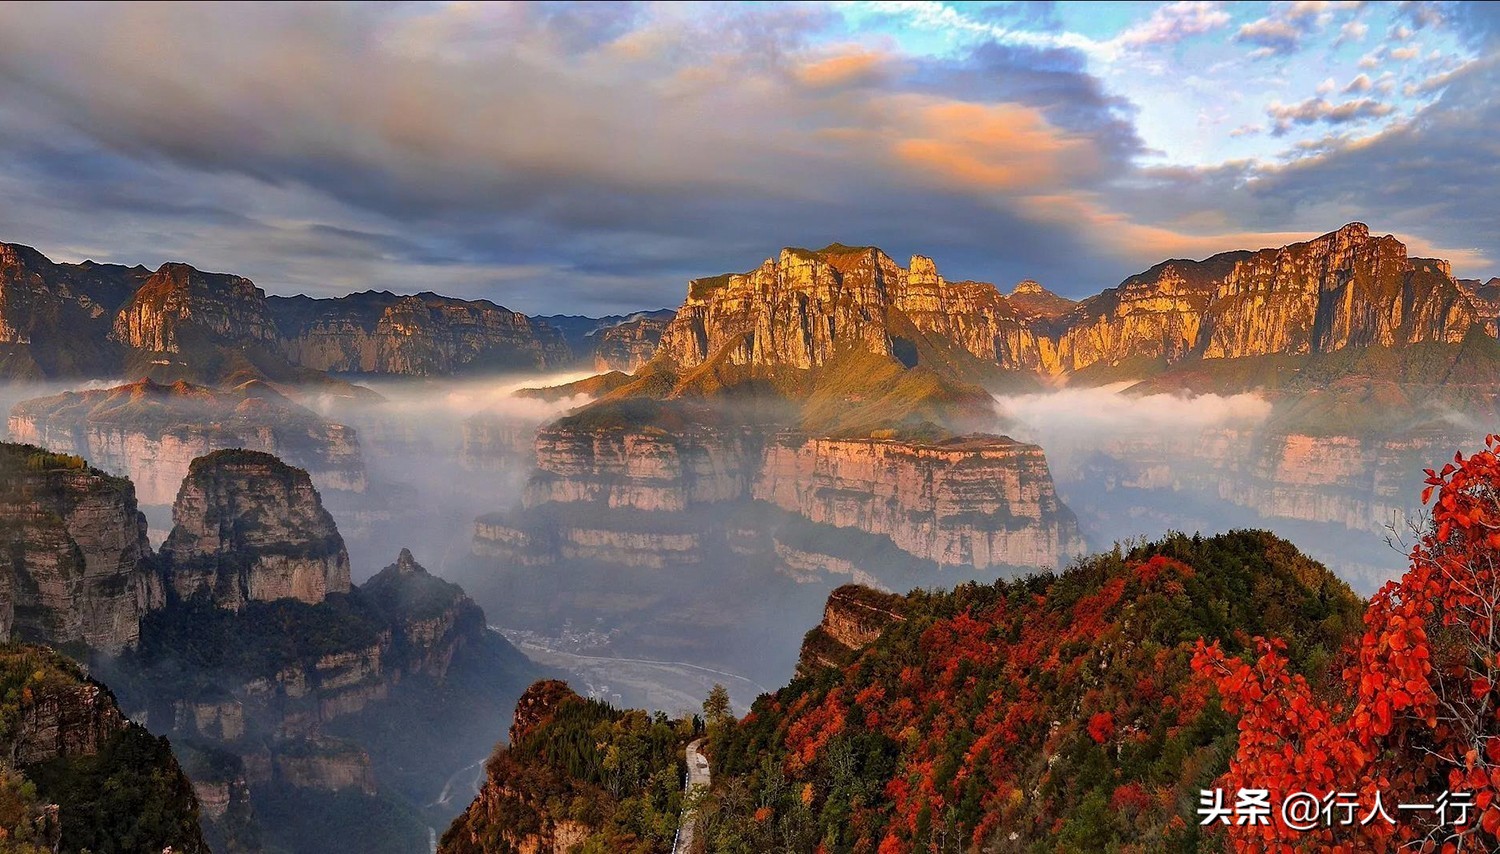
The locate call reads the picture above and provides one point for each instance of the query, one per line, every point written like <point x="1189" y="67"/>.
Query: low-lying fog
<point x="1128" y="467"/>
<point x="1138" y="466"/>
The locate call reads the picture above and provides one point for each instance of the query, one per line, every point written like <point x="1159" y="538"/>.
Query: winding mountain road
<point x="697" y="778"/>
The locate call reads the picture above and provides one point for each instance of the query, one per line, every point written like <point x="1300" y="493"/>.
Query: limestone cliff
<point x="424" y="335"/>
<point x="649" y="469"/>
<point x="151" y="432"/>
<point x="1485" y="297"/>
<point x="628" y="345"/>
<point x="55" y="319"/>
<point x="249" y="527"/>
<point x="853" y="618"/>
<point x="984" y="502"/>
<point x="799" y="309"/>
<point x="79" y="567"/>
<point x="178" y="306"/>
<point x="1343" y="289"/>
<point x="981" y="502"/>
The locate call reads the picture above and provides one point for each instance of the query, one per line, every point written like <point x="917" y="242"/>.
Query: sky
<point x="590" y="159"/>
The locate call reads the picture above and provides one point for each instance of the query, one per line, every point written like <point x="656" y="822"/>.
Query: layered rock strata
<point x="249" y="527"/>
<point x="80" y="569"/>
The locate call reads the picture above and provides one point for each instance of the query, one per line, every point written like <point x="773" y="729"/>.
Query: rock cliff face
<point x="178" y="301"/>
<point x="629" y="344"/>
<point x="61" y="726"/>
<point x="68" y="320"/>
<point x="1485" y="297"/>
<point x="983" y="502"/>
<point x="80" y="568"/>
<point x="1344" y="289"/>
<point x="853" y="618"/>
<point x="423" y="335"/>
<point x="640" y="469"/>
<point x="151" y="432"/>
<point x="1359" y="483"/>
<point x="975" y="502"/>
<point x="326" y="764"/>
<point x="248" y="527"/>
<point x="55" y="318"/>
<point x="432" y="620"/>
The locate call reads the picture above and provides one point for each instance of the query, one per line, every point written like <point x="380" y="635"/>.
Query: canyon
<point x="244" y="640"/>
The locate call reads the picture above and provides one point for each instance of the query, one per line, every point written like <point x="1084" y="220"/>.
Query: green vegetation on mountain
<point x="1055" y="712"/>
<point x="117" y="787"/>
<point x="579" y="770"/>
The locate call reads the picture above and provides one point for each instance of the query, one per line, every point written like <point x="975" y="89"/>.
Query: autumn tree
<point x="1416" y="713"/>
<point x="716" y="707"/>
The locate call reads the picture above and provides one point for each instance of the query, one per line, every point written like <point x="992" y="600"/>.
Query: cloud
<point x="522" y="153"/>
<point x="1173" y="22"/>
<point x="995" y="147"/>
<point x="842" y="66"/>
<point x="1087" y="415"/>
<point x="1359" y="84"/>
<point x="1352" y="31"/>
<point x="1282" y="31"/>
<point x="541" y="156"/>
<point x="1320" y="110"/>
<point x="1273" y="36"/>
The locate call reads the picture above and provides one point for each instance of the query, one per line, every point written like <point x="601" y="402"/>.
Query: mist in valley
<point x="1138" y="466"/>
<point x="441" y="452"/>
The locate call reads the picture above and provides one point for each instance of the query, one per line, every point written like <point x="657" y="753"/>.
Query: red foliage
<point x="1102" y="727"/>
<point x="1159" y="566"/>
<point x="1417" y="712"/>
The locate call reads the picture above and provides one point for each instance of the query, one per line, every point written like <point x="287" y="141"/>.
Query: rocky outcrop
<point x="647" y="468"/>
<point x="628" y="345"/>
<point x="981" y="501"/>
<point x="67" y="720"/>
<point x="853" y="618"/>
<point x="151" y="432"/>
<point x="1343" y="289"/>
<point x="80" y="568"/>
<point x="178" y="307"/>
<point x="249" y="527"/>
<point x="423" y="335"/>
<point x="55" y="319"/>
<point x="509" y="813"/>
<point x="325" y="764"/>
<point x="431" y="620"/>
<point x="56" y="714"/>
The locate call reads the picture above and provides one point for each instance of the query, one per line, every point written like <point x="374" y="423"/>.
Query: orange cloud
<point x="848" y="65"/>
<point x="991" y="147"/>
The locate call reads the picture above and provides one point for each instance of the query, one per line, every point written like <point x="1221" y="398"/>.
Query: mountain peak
<point x="407" y="565"/>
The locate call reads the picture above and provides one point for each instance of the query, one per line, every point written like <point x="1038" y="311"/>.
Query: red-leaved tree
<point x="1416" y="713"/>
